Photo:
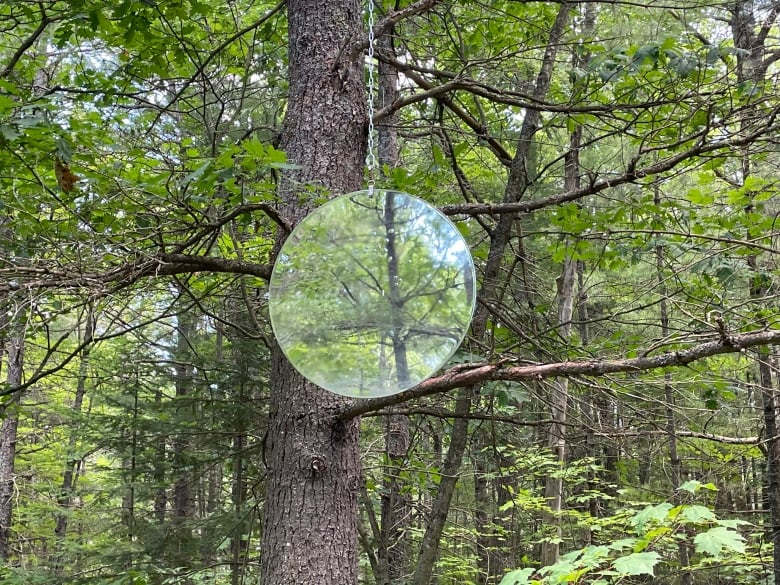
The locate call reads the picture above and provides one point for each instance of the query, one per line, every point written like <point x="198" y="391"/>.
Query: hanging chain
<point x="371" y="159"/>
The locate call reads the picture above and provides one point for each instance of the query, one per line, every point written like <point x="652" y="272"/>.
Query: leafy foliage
<point x="140" y="166"/>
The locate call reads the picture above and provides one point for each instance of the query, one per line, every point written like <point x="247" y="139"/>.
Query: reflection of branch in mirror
<point x="372" y="293"/>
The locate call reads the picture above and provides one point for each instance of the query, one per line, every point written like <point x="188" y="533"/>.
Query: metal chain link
<point x="371" y="158"/>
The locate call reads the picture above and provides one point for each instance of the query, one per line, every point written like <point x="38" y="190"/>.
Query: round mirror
<point x="372" y="293"/>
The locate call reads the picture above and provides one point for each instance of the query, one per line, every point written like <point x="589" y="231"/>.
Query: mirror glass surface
<point x="372" y="293"/>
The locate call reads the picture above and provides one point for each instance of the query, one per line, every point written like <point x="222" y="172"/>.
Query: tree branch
<point x="687" y="434"/>
<point x="213" y="54"/>
<point x="112" y="280"/>
<point x="269" y="210"/>
<point x="629" y="176"/>
<point x="28" y="42"/>
<point x="445" y="414"/>
<point x="397" y="16"/>
<point x="461" y="376"/>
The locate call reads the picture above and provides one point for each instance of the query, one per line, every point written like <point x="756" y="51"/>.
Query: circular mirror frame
<point x="372" y="293"/>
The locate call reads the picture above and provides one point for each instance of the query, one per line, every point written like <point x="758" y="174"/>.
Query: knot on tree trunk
<point x="317" y="463"/>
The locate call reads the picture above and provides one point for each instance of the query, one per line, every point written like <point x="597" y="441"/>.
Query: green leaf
<point x="593" y="555"/>
<point x="254" y="148"/>
<point x="656" y="513"/>
<point x="697" y="514"/>
<point x="637" y="563"/>
<point x="7" y="103"/>
<point x="8" y="133"/>
<point x="719" y="540"/>
<point x="699" y="197"/>
<point x="517" y="577"/>
<point x="197" y="173"/>
<point x="692" y="486"/>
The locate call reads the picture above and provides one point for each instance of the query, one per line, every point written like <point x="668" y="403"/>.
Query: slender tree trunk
<point x="393" y="553"/>
<point x="488" y="521"/>
<point x="160" y="467"/>
<point x="130" y="462"/>
<point x="590" y="404"/>
<point x="556" y="437"/>
<point x="65" y="497"/>
<point x="8" y="436"/>
<point x="310" y="512"/>
<point x="520" y="177"/>
<point x="180" y="544"/>
<point x="238" y="542"/>
<point x="772" y="470"/>
<point x="559" y="398"/>
<point x="482" y="515"/>
<point x="669" y="399"/>
<point x="751" y="68"/>
<point x="395" y="504"/>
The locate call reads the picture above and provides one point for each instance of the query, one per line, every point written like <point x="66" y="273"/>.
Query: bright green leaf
<point x="719" y="540"/>
<point x="656" y="513"/>
<point x="518" y="576"/>
<point x="637" y="563"/>
<point x="697" y="514"/>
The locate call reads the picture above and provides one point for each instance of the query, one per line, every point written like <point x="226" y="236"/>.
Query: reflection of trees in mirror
<point x="372" y="293"/>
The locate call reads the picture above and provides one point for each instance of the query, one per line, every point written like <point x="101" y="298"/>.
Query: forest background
<point x="611" y="417"/>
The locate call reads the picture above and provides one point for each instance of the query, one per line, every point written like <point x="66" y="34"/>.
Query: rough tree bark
<point x="8" y="434"/>
<point x="310" y="513"/>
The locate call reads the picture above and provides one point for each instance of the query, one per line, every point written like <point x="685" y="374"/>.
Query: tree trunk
<point x="671" y="426"/>
<point x="130" y="462"/>
<point x="160" y="465"/>
<point x="489" y="521"/>
<point x="589" y="404"/>
<point x="180" y="545"/>
<point x="65" y="498"/>
<point x="751" y="68"/>
<point x="559" y="398"/>
<point x="310" y="513"/>
<point x="393" y="552"/>
<point x="239" y="540"/>
<point x="556" y="437"/>
<point x="518" y="181"/>
<point x="8" y="432"/>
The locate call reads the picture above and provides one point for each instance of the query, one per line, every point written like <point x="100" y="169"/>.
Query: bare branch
<point x="112" y="280"/>
<point x="439" y="413"/>
<point x="460" y="376"/>
<point x="699" y="148"/>
<point x="214" y="53"/>
<point x="687" y="434"/>
<point x="269" y="210"/>
<point x="397" y="16"/>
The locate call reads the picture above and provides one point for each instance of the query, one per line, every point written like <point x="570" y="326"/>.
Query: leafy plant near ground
<point x="651" y="537"/>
